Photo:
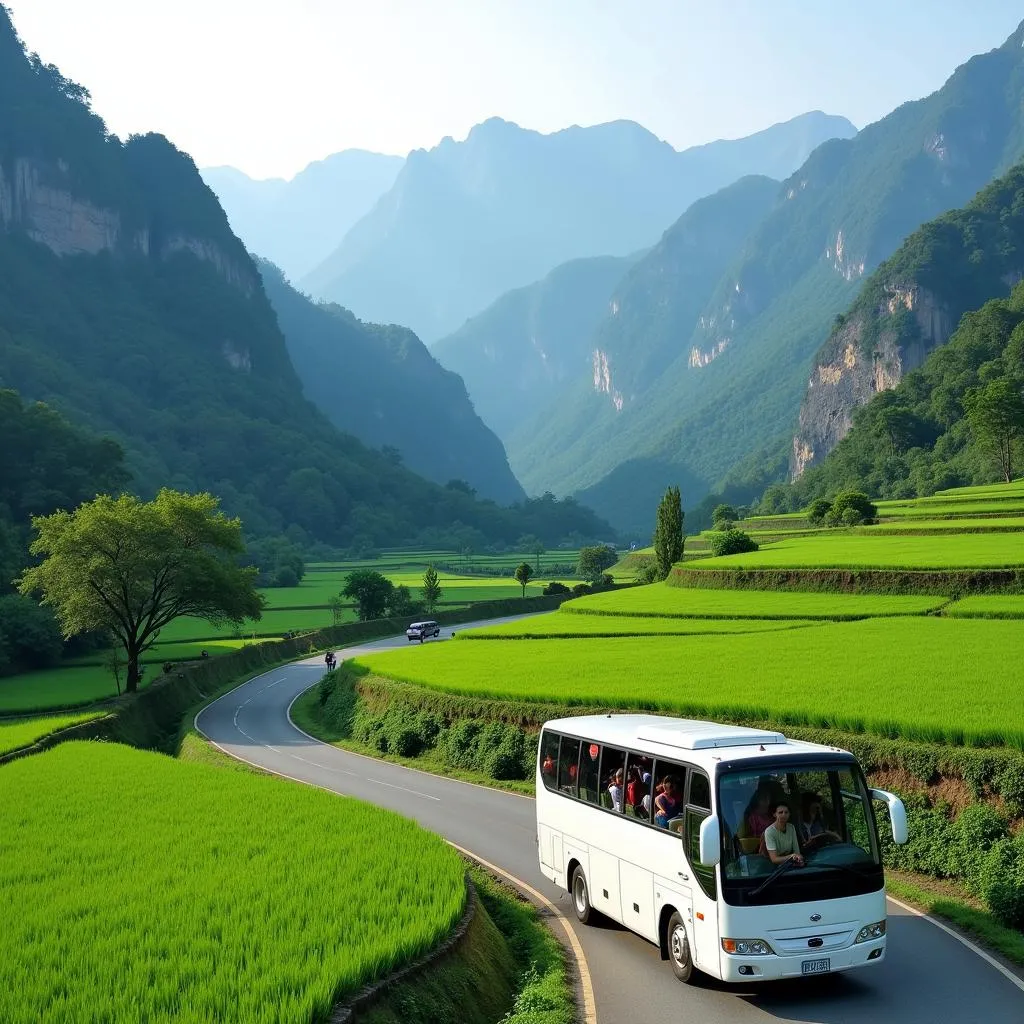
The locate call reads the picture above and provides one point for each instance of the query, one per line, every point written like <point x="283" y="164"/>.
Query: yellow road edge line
<point x="972" y="946"/>
<point x="586" y="982"/>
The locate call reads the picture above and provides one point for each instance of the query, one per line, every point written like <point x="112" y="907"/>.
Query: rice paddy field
<point x="988" y="606"/>
<point x="562" y="624"/>
<point x="918" y="677"/>
<point x="661" y="600"/>
<point x="137" y="887"/>
<point x="844" y="549"/>
<point x="24" y="732"/>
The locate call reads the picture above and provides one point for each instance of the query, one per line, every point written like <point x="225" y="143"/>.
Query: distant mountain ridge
<point x="835" y="219"/>
<point x="380" y="384"/>
<point x="517" y="356"/>
<point x="296" y="224"/>
<point x="468" y="221"/>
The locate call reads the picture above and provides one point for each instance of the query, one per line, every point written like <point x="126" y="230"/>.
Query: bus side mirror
<point x="710" y="841"/>
<point x="897" y="814"/>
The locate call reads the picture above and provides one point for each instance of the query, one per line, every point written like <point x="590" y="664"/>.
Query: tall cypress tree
<point x="668" y="532"/>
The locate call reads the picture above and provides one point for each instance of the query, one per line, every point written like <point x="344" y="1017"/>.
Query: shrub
<point x="851" y="517"/>
<point x="818" y="511"/>
<point x="855" y="500"/>
<point x="580" y="589"/>
<point x="286" y="576"/>
<point x="1002" y="881"/>
<point x="723" y="517"/>
<point x="732" y="542"/>
<point x="554" y="587"/>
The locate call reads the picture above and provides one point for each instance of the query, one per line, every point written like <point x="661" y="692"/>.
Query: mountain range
<point x="297" y="224"/>
<point x="744" y="346"/>
<point x="127" y="304"/>
<point x="467" y="221"/>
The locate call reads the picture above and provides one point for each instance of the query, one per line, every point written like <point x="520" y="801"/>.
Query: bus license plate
<point x="815" y="966"/>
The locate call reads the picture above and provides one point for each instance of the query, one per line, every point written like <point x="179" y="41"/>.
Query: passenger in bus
<point x="780" y="840"/>
<point x="548" y="765"/>
<point x="615" y="789"/>
<point x="668" y="803"/>
<point x="759" y="812"/>
<point x="813" y="830"/>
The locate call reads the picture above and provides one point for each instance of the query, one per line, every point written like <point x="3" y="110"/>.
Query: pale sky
<point x="270" y="85"/>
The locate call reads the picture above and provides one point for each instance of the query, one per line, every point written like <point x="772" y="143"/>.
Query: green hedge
<point x="953" y="582"/>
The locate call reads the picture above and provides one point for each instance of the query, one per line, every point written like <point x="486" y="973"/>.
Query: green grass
<point x="921" y="678"/>
<point x="24" y="732"/>
<point x="993" y="524"/>
<point x="848" y="550"/>
<point x="661" y="600"/>
<point x="137" y="887"/>
<point x="59" y="687"/>
<point x="988" y="606"/>
<point x="557" y="624"/>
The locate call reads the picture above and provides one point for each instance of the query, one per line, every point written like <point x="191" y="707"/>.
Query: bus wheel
<point x="581" y="895"/>
<point x="679" y="948"/>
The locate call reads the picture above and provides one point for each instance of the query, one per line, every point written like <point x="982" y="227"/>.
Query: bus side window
<point x="590" y="783"/>
<point x="549" y="758"/>
<point x="700" y="790"/>
<point x="669" y="791"/>
<point x="568" y="765"/>
<point x="613" y="781"/>
<point x="639" y="785"/>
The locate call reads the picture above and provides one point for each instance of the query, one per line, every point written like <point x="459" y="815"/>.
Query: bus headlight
<point x="870" y="931"/>
<point x="747" y="947"/>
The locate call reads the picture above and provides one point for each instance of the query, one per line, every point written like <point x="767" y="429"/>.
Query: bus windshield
<point x="822" y="813"/>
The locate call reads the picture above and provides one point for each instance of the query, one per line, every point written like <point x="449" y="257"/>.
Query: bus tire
<point x="679" y="948"/>
<point x="581" y="895"/>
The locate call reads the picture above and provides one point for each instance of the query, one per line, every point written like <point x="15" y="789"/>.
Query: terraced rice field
<point x="148" y="888"/>
<point x="24" y="732"/>
<point x="988" y="606"/>
<point x="561" y="624"/>
<point x="917" y="677"/>
<point x="866" y="550"/>
<point x="661" y="600"/>
<point x="58" y="687"/>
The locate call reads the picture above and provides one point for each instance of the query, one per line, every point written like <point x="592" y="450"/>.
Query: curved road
<point x="927" y="976"/>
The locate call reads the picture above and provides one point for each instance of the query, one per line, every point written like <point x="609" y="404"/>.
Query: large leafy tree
<point x="370" y="590"/>
<point x="668" y="532"/>
<point x="130" y="567"/>
<point x="995" y="413"/>
<point x="593" y="561"/>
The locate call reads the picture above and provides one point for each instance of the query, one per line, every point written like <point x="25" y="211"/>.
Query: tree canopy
<point x="668" y="532"/>
<point x="128" y="567"/>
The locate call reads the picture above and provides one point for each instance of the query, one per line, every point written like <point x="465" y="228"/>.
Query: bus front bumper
<point x="736" y="968"/>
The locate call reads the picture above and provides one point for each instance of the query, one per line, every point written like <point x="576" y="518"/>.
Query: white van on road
<point x="421" y="630"/>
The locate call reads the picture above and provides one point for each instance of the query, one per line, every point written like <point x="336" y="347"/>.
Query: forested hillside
<point x="518" y="355"/>
<point x="468" y="221"/>
<point x="908" y="307"/>
<point x="382" y="385"/>
<point x="645" y="327"/>
<point x="127" y="303"/>
<point x="918" y="437"/>
<point x="836" y="219"/>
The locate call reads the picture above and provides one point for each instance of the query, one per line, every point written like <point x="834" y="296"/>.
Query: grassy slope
<point x="24" y="732"/>
<point x="557" y="624"/>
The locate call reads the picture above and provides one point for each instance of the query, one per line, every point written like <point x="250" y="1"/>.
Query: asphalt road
<point x="927" y="976"/>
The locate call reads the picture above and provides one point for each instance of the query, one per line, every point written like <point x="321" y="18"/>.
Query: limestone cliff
<point x="860" y="360"/>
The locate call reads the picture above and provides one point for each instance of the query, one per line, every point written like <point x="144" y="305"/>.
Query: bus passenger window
<point x="670" y="779"/>
<point x="639" y="784"/>
<point x="613" y="765"/>
<point x="700" y="790"/>
<point x="568" y="758"/>
<point x="590" y="784"/>
<point x="549" y="758"/>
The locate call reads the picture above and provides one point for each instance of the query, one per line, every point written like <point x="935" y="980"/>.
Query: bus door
<point x="704" y="893"/>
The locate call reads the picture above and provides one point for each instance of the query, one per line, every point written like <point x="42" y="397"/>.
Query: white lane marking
<point x="404" y="789"/>
<point x="974" y="948"/>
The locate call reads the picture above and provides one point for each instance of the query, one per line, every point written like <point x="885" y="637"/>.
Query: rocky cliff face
<point x="36" y="197"/>
<point x="851" y="370"/>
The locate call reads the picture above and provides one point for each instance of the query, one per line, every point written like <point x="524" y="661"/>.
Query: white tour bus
<point x="659" y="824"/>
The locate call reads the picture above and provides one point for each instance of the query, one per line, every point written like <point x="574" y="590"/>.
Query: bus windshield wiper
<point x="786" y="864"/>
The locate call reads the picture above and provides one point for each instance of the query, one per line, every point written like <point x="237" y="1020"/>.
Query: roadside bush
<point x="860" y="504"/>
<point x="732" y="542"/>
<point x="554" y="587"/>
<point x="1002" y="881"/>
